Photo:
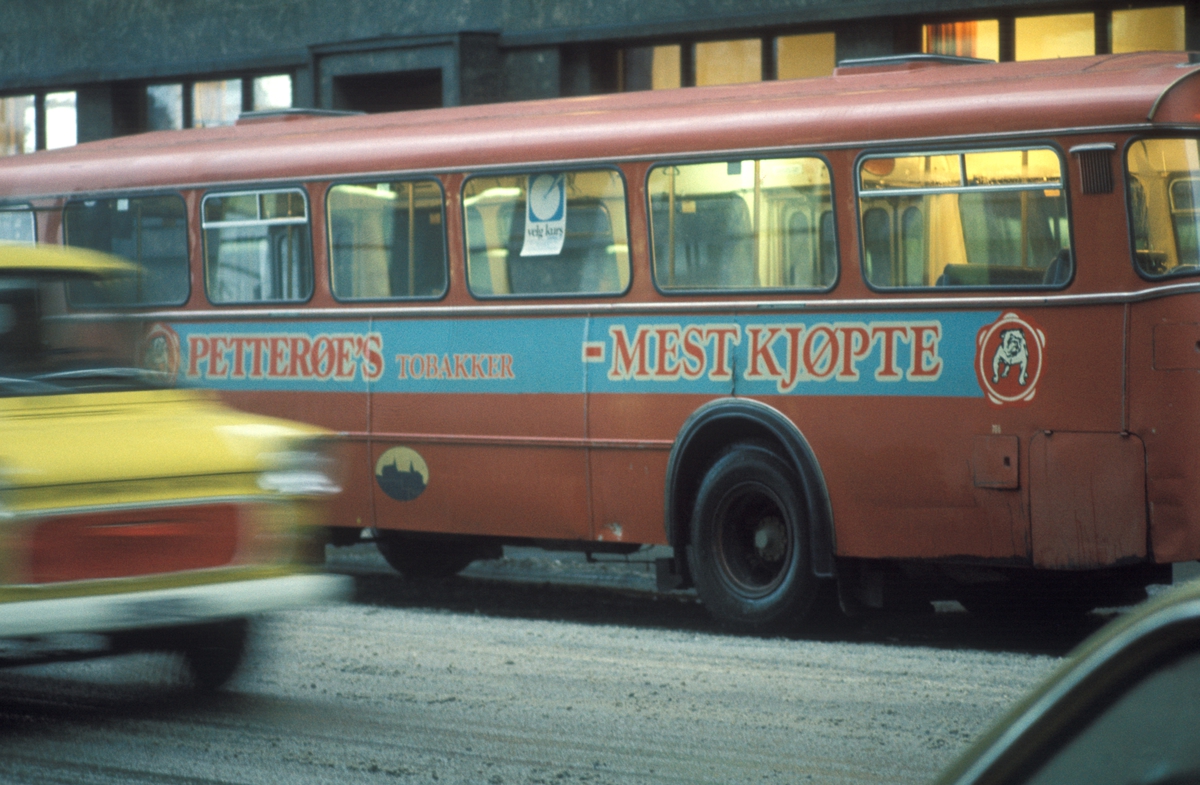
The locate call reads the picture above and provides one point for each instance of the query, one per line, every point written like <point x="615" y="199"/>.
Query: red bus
<point x="925" y="328"/>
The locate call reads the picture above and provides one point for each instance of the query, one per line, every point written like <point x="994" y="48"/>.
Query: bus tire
<point x="418" y="558"/>
<point x="749" y="552"/>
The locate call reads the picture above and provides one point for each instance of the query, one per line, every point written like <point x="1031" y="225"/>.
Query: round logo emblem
<point x="1008" y="359"/>
<point x="546" y="197"/>
<point x="160" y="351"/>
<point x="402" y="474"/>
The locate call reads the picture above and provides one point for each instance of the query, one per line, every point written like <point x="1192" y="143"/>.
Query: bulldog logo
<point x="159" y="351"/>
<point x="1012" y="341"/>
<point x="1012" y="351"/>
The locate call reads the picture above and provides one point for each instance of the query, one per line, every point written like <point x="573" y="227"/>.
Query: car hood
<point x="119" y="437"/>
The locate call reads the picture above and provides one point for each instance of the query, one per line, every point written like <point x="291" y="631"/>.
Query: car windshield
<point x="43" y="351"/>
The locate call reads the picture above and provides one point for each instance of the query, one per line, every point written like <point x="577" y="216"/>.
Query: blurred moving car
<point x="134" y="516"/>
<point x="1124" y="708"/>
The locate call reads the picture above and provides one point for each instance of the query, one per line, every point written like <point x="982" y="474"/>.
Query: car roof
<point x="57" y="259"/>
<point x="1112" y="659"/>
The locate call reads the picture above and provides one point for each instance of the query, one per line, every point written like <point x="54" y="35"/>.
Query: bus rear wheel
<point x="749" y="552"/>
<point x="425" y="558"/>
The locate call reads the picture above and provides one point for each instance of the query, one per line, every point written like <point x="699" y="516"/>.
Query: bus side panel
<point x="498" y="464"/>
<point x="631" y="436"/>
<point x="1164" y="391"/>
<point x="901" y="477"/>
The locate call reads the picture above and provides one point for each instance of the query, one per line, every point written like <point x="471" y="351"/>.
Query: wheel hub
<point x="770" y="539"/>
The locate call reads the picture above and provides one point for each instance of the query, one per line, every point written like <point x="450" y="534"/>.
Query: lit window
<point x="752" y="224"/>
<point x="216" y="103"/>
<point x="1048" y="37"/>
<point x="803" y="56"/>
<point x="729" y="62"/>
<point x="1144" y="29"/>
<point x="387" y="240"/>
<point x="548" y="233"/>
<point x="666" y="72"/>
<point x="17" y="125"/>
<point x="977" y="219"/>
<point x="61" y="127"/>
<point x="980" y="38"/>
<point x="1164" y="200"/>
<point x="273" y="92"/>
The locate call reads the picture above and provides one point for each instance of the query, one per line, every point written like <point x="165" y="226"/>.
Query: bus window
<point x="256" y="246"/>
<point x="981" y="219"/>
<point x="387" y="240"/>
<point x="1164" y="202"/>
<point x="755" y="224"/>
<point x="17" y="225"/>
<point x="148" y="230"/>
<point x="575" y="244"/>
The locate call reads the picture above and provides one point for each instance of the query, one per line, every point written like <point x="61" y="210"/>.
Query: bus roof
<point x="859" y="105"/>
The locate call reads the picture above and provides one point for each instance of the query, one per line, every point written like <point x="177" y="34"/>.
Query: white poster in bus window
<point x="545" y="215"/>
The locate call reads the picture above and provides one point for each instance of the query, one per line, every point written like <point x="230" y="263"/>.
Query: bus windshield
<point x="44" y="353"/>
<point x="1164" y="202"/>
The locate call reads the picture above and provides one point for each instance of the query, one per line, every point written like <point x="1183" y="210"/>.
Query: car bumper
<point x="169" y="607"/>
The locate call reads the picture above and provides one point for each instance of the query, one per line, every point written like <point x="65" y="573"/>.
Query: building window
<point x="978" y="38"/>
<point x="213" y="103"/>
<point x="44" y="121"/>
<point x="18" y="129"/>
<point x="1142" y="29"/>
<point x="61" y="123"/>
<point x="164" y="107"/>
<point x="1048" y="37"/>
<point x="216" y="103"/>
<point x="272" y="92"/>
<point x="804" y="56"/>
<point x="729" y="62"/>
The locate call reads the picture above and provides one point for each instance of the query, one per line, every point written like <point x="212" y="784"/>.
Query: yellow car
<point x="143" y="517"/>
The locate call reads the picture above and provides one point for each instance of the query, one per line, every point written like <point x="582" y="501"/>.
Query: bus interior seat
<point x="428" y="251"/>
<point x="990" y="275"/>
<point x="584" y="265"/>
<point x="1058" y="272"/>
<point x="714" y="246"/>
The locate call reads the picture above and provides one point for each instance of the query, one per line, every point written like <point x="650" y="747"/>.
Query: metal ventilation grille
<point x="1095" y="168"/>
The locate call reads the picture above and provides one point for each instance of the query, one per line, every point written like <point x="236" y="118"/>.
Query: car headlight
<point x="301" y="471"/>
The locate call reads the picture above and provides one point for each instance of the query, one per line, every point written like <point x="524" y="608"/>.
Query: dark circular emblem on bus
<point x="402" y="474"/>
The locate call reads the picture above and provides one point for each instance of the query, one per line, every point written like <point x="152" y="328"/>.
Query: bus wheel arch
<point x="712" y="430"/>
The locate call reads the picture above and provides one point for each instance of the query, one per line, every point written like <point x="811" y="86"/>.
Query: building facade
<point x="78" y="70"/>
